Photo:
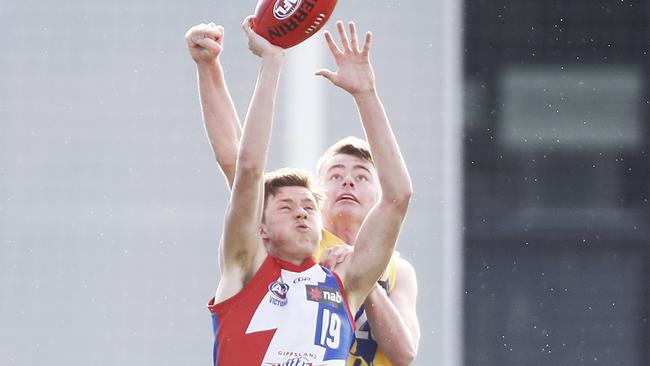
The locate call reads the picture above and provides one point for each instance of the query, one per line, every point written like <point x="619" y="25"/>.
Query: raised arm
<point x="242" y="250"/>
<point x="205" y="44"/>
<point x="378" y="234"/>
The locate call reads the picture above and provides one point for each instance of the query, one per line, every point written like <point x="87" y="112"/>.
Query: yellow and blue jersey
<point x="364" y="351"/>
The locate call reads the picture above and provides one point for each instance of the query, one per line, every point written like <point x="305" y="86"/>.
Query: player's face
<point x="292" y="223"/>
<point x="351" y="187"/>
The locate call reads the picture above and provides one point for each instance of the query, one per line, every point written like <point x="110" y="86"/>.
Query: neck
<point x="347" y="231"/>
<point x="295" y="262"/>
<point x="298" y="262"/>
<point x="289" y="257"/>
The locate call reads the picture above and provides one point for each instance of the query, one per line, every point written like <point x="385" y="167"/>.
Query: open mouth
<point x="347" y="197"/>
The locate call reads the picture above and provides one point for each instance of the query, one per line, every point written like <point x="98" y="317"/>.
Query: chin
<point x="348" y="212"/>
<point x="308" y="243"/>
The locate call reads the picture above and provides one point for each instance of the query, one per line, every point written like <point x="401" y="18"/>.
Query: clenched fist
<point x="205" y="42"/>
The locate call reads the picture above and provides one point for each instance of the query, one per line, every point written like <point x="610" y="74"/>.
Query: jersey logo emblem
<point x="284" y="8"/>
<point x="301" y="279"/>
<point x="324" y="295"/>
<point x="278" y="291"/>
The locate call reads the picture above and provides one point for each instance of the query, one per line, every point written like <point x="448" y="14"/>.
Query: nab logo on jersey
<point x="278" y="291"/>
<point x="324" y="294"/>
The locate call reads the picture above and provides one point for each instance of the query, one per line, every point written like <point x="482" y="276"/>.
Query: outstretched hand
<point x="205" y="42"/>
<point x="258" y="44"/>
<point x="354" y="73"/>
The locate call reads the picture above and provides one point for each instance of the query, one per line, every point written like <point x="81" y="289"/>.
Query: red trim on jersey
<point x="233" y="317"/>
<point x="305" y="265"/>
<point x="257" y="277"/>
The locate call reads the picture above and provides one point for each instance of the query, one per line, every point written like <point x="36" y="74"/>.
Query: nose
<point x="348" y="181"/>
<point x="301" y="213"/>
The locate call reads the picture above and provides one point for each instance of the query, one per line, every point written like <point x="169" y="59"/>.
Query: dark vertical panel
<point x="579" y="216"/>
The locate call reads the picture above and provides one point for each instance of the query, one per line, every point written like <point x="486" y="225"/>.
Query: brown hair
<point x="350" y="146"/>
<point x="289" y="177"/>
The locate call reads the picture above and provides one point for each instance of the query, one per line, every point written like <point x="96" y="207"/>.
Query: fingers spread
<point x="366" y="46"/>
<point x="327" y="74"/>
<point x="344" y="37"/>
<point x="353" y="37"/>
<point x="334" y="48"/>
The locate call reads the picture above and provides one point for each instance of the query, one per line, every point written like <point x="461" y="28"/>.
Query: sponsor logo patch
<point x="301" y="279"/>
<point x="278" y="290"/>
<point x="324" y="295"/>
<point x="284" y="8"/>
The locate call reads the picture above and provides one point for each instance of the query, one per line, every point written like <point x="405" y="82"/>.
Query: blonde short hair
<point x="350" y="146"/>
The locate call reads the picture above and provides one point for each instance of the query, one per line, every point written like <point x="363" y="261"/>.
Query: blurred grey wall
<point x="110" y="200"/>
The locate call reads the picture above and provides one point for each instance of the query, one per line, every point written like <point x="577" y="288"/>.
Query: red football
<point x="286" y="23"/>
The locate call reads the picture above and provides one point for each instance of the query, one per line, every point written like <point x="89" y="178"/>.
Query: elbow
<point x="247" y="164"/>
<point x="400" y="198"/>
<point x="406" y="357"/>
<point x="410" y="357"/>
<point x="406" y="194"/>
<point x="248" y="170"/>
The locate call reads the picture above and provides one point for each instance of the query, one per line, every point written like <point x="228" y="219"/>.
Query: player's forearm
<point x="372" y="250"/>
<point x="389" y="329"/>
<point x="391" y="169"/>
<point x="241" y="243"/>
<point x="259" y="119"/>
<point x="219" y="116"/>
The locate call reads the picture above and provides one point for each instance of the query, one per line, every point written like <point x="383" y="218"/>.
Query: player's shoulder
<point x="402" y="263"/>
<point x="405" y="272"/>
<point x="328" y="241"/>
<point x="398" y="269"/>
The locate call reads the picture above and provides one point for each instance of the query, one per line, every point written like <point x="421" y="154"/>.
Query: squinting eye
<point x="335" y="177"/>
<point x="285" y="208"/>
<point x="362" y="178"/>
<point x="310" y="208"/>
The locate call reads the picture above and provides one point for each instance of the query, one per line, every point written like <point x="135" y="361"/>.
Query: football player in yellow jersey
<point x="387" y="326"/>
<point x="387" y="329"/>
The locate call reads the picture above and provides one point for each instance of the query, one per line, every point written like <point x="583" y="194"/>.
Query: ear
<point x="263" y="232"/>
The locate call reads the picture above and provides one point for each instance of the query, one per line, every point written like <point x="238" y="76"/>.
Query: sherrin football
<point x="286" y="23"/>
